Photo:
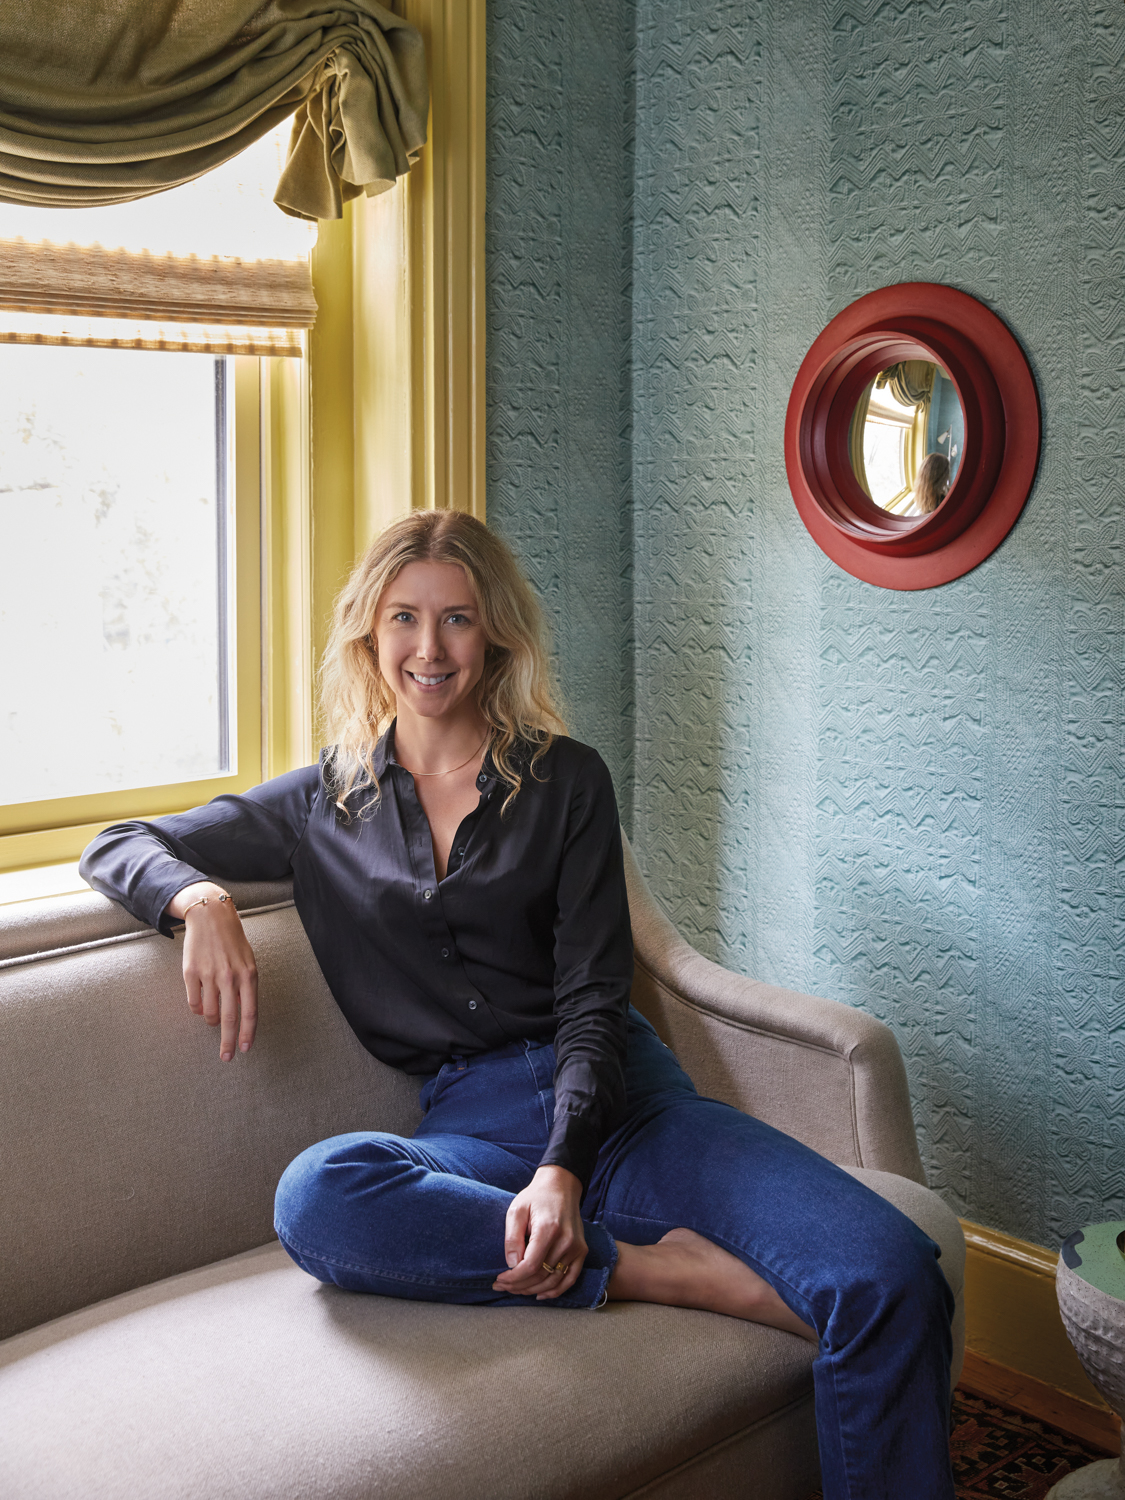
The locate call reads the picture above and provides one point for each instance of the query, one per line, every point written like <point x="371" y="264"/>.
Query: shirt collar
<point x="383" y="754"/>
<point x="486" y="776"/>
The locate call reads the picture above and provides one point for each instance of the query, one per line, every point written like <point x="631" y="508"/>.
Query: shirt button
<point x="445" y="953"/>
<point x="472" y="1005"/>
<point x="427" y="894"/>
<point x="461" y="851"/>
<point x="482" y="779"/>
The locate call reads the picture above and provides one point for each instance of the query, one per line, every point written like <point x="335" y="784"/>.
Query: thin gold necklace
<point x="451" y="770"/>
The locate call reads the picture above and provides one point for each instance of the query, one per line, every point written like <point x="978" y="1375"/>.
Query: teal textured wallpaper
<point x="914" y="803"/>
<point x="559" y="184"/>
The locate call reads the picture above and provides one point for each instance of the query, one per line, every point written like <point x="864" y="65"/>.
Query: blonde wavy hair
<point x="931" y="484"/>
<point x="516" y="693"/>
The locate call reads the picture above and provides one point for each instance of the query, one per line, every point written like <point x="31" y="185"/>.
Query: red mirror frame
<point x="915" y="320"/>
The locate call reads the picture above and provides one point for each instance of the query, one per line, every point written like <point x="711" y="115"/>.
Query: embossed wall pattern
<point x="961" y="892"/>
<point x="1089" y="1041"/>
<point x="916" y="119"/>
<point x="695" y="376"/>
<point x="910" y="802"/>
<point x="558" y="415"/>
<point x="914" y="803"/>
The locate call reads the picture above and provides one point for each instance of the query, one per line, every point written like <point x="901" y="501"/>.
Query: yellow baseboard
<point x="1017" y="1351"/>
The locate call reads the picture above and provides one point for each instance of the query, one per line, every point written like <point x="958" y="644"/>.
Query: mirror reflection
<point x="907" y="437"/>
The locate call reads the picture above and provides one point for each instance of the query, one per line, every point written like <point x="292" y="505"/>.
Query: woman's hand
<point x="220" y="974"/>
<point x="543" y="1227"/>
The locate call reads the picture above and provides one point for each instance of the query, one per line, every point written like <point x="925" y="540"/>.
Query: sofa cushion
<point x="247" y="1378"/>
<point x="158" y="1157"/>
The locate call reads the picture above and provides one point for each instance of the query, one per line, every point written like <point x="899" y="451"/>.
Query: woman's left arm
<point x="593" y="978"/>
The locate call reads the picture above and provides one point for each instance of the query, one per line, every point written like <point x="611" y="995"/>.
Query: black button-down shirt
<point x="527" y="936"/>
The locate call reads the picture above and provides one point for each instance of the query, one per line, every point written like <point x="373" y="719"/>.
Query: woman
<point x="930" y="485"/>
<point x="457" y="865"/>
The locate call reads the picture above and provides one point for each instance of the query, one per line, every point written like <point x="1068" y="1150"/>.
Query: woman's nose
<point x="429" y="648"/>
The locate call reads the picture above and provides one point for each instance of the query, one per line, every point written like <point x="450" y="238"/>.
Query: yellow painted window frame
<point x="396" y="399"/>
<point x="384" y="416"/>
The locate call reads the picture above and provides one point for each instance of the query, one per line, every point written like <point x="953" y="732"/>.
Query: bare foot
<point x="686" y="1270"/>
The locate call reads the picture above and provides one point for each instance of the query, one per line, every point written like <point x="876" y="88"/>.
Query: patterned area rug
<point x="1000" y="1454"/>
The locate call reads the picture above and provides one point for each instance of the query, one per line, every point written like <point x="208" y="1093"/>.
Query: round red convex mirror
<point x="912" y="436"/>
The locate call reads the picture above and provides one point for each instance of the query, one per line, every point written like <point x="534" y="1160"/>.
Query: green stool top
<point x="1097" y="1255"/>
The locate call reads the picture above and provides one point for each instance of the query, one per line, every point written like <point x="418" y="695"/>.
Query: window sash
<point x="58" y="828"/>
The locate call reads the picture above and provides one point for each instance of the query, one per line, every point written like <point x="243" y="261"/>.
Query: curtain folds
<point x="117" y="99"/>
<point x="909" y="382"/>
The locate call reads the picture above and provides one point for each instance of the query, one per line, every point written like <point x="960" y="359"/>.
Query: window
<point x="115" y="586"/>
<point x="885" y="434"/>
<point x="129" y="587"/>
<point x="131" y="502"/>
<point x="384" y="411"/>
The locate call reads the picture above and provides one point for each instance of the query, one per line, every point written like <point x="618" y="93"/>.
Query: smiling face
<point x="431" y="643"/>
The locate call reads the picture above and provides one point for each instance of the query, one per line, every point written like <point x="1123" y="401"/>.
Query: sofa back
<point x="128" y="1152"/>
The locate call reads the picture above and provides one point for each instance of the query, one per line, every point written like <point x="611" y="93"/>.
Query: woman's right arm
<point x="220" y="975"/>
<point x="161" y="871"/>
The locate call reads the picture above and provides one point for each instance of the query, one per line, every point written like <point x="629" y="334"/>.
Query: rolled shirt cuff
<point x="574" y="1144"/>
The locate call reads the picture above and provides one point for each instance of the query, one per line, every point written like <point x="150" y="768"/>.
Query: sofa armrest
<point x="62" y="924"/>
<point x="827" y="1074"/>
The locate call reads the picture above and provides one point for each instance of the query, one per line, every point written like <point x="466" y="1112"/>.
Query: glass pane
<point x="114" y="646"/>
<point x="884" y="458"/>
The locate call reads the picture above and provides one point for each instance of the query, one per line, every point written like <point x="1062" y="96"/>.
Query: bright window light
<point x="884" y="459"/>
<point x="228" y="212"/>
<point x="115" y="517"/>
<point x="884" y="445"/>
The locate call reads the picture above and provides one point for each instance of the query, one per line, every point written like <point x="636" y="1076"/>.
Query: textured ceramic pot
<point x="1091" y="1289"/>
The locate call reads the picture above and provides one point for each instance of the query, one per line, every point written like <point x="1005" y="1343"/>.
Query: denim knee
<point x="910" y="1277"/>
<point x="313" y="1185"/>
<point x="301" y="1185"/>
<point x="890" y="1276"/>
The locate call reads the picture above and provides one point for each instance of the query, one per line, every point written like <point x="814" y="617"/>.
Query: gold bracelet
<point x="203" y="900"/>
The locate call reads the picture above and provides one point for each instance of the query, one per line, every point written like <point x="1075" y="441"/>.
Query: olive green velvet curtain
<point x="909" y="382"/>
<point x="104" y="101"/>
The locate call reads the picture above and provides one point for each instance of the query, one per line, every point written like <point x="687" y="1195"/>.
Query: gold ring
<point x="560" y="1270"/>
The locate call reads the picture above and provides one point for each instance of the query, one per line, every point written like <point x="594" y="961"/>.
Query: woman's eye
<point x="403" y="617"/>
<point x="458" y="620"/>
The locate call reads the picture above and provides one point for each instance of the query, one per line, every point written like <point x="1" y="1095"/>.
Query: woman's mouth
<point x="429" y="681"/>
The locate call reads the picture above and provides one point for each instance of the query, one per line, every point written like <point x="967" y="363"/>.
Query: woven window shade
<point x="86" y="294"/>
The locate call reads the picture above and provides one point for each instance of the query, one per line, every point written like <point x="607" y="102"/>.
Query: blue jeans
<point x="424" y="1218"/>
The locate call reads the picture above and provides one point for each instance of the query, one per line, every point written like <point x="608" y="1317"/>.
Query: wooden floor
<point x="1099" y="1428"/>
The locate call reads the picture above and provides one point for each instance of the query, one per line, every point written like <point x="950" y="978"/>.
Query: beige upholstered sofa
<point x="159" y="1343"/>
